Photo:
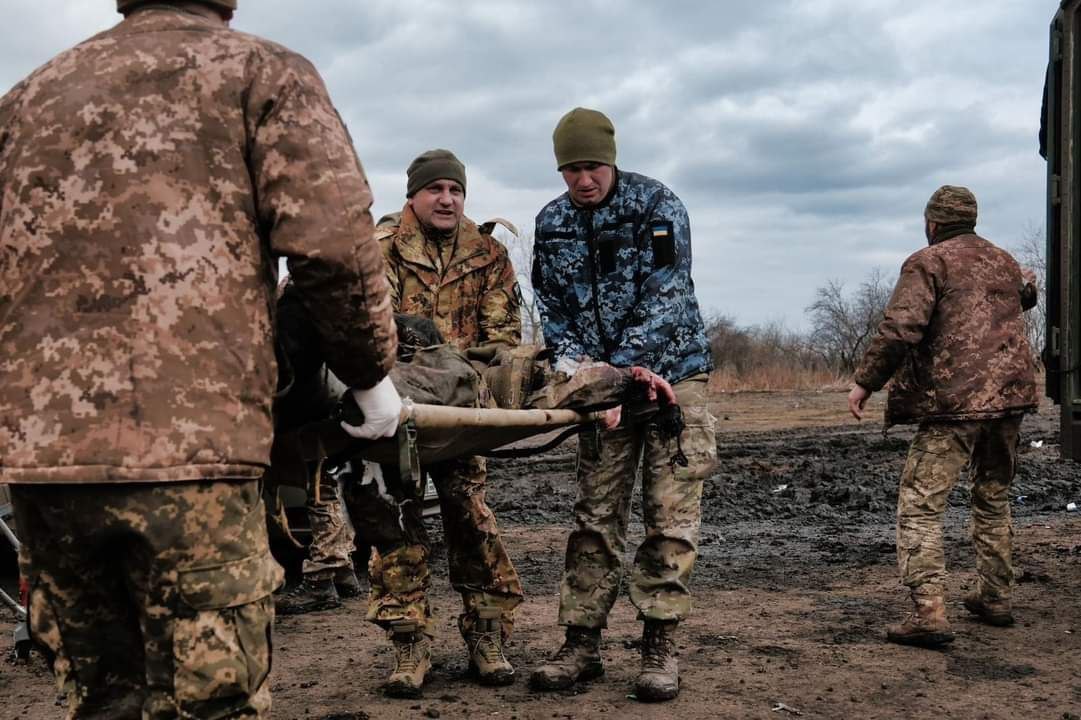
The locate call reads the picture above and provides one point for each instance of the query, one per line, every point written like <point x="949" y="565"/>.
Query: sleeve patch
<point x="664" y="244"/>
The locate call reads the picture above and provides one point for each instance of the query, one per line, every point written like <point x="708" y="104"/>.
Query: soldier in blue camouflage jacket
<point x="612" y="275"/>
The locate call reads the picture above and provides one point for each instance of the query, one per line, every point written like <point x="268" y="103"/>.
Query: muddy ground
<point x="795" y="580"/>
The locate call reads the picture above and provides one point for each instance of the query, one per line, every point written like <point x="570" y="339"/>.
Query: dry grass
<point x="766" y="378"/>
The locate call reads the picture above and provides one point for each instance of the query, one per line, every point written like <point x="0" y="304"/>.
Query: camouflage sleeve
<point x="7" y="115"/>
<point x="663" y="292"/>
<point x="500" y="305"/>
<point x="903" y="326"/>
<point x="394" y="281"/>
<point x="314" y="208"/>
<point x="561" y="334"/>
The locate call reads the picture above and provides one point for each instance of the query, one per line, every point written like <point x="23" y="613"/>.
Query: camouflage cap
<point x="122" y="5"/>
<point x="951" y="204"/>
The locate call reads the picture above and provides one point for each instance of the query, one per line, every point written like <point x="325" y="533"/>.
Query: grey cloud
<point x="804" y="135"/>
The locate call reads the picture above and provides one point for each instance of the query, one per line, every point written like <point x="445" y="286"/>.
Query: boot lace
<point x="407" y="656"/>
<point x="656" y="650"/>
<point x="487" y="645"/>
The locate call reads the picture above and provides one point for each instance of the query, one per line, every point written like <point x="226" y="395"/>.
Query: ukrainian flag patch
<point x="664" y="244"/>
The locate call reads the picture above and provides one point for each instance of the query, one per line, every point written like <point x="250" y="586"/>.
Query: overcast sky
<point x="804" y="136"/>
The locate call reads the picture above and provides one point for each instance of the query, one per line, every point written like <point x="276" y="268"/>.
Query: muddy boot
<point x="579" y="659"/>
<point x="993" y="612"/>
<point x="484" y="643"/>
<point x="346" y="583"/>
<point x="927" y="626"/>
<point x="412" y="660"/>
<point x="309" y="595"/>
<point x="659" y="678"/>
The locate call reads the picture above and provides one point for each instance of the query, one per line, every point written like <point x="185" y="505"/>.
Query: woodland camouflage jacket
<point x="475" y="301"/>
<point x="150" y="177"/>
<point x="953" y="338"/>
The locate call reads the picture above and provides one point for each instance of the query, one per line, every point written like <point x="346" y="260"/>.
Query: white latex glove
<point x="382" y="408"/>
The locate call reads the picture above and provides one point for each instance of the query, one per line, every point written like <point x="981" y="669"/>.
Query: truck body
<point x="1060" y="143"/>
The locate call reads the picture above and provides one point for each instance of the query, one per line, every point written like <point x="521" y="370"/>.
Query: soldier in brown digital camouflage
<point x="441" y="266"/>
<point x="151" y="177"/>
<point x="953" y="342"/>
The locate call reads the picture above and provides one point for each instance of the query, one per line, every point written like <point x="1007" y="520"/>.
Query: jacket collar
<point x="409" y="241"/>
<point x="949" y="232"/>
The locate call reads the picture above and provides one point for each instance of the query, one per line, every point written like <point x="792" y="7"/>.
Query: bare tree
<point x="1031" y="253"/>
<point x="842" y="325"/>
<point x="520" y="249"/>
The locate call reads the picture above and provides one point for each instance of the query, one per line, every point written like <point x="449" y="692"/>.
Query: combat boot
<point x="346" y="583"/>
<point x="659" y="678"/>
<point x="993" y="612"/>
<point x="484" y="643"/>
<point x="927" y="626"/>
<point x="309" y="595"/>
<point x="412" y="660"/>
<point x="578" y="660"/>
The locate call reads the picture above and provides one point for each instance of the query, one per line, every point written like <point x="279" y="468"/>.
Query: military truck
<point x="1060" y="144"/>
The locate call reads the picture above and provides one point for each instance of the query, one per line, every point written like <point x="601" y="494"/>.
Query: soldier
<point x="952" y="340"/>
<point x="327" y="573"/>
<point x="151" y="176"/>
<point x="612" y="274"/>
<point x="442" y="267"/>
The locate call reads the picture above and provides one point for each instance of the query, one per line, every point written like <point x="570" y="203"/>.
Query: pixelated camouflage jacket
<point x="475" y="302"/>
<point x="614" y="282"/>
<point x="150" y="177"/>
<point x="952" y="338"/>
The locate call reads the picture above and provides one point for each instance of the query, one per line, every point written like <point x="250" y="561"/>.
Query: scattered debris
<point x="781" y="707"/>
<point x="1036" y="444"/>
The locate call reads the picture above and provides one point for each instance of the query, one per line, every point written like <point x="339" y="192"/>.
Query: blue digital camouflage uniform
<point x="614" y="284"/>
<point x="634" y="253"/>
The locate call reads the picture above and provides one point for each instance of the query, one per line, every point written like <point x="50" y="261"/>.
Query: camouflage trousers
<point x="939" y="453"/>
<point x="608" y="464"/>
<point x="331" y="547"/>
<point x="154" y="599"/>
<point x="390" y="521"/>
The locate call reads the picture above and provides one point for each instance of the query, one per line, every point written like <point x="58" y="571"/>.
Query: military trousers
<point x="608" y="466"/>
<point x="389" y="518"/>
<point x="155" y="600"/>
<point x="936" y="458"/>
<point x="331" y="547"/>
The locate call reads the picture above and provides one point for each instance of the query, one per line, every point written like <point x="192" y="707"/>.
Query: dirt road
<point x="795" y="580"/>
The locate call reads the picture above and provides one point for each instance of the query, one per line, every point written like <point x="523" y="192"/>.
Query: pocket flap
<point x="231" y="584"/>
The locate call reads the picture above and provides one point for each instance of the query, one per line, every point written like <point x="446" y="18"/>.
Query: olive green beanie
<point x="431" y="166"/>
<point x="584" y="135"/>
<point x="951" y="204"/>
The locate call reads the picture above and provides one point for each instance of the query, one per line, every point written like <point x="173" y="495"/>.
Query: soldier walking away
<point x="953" y="342"/>
<point x="612" y="273"/>
<point x="151" y="176"/>
<point x="441" y="266"/>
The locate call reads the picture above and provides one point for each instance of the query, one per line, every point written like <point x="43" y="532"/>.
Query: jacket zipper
<point x="587" y="224"/>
